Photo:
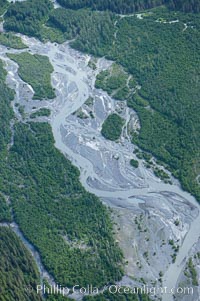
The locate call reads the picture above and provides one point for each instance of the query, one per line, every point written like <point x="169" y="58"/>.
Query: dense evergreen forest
<point x="50" y="200"/>
<point x="75" y="23"/>
<point x="187" y="6"/>
<point x="26" y="17"/>
<point x="117" y="6"/>
<point x="17" y="269"/>
<point x="130" y="6"/>
<point x="112" y="127"/>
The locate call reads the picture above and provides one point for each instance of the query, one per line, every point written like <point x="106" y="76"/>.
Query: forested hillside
<point x="185" y="5"/>
<point x="117" y="6"/>
<point x="130" y="6"/>
<point x="96" y="26"/>
<point x="17" y="269"/>
<point x="26" y="17"/>
<point x="50" y="200"/>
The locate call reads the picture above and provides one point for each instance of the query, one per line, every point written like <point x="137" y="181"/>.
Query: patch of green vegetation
<point x="35" y="70"/>
<point x="114" y="81"/>
<point x="92" y="64"/>
<point x="90" y="101"/>
<point x="122" y="94"/>
<point x="132" y="83"/>
<point x="101" y="79"/>
<point x="11" y="41"/>
<point x="143" y="155"/>
<point x="21" y="110"/>
<point x="91" y="114"/>
<point x="41" y="112"/>
<point x="175" y="248"/>
<point x="112" y="127"/>
<point x="192" y="272"/>
<point x="173" y="256"/>
<point x="47" y="33"/>
<point x="160" y="173"/>
<point x="146" y="156"/>
<point x="140" y="101"/>
<point x="80" y="114"/>
<point x="177" y="222"/>
<point x="17" y="269"/>
<point x="134" y="163"/>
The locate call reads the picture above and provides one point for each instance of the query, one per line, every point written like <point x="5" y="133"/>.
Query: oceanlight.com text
<point x="112" y="289"/>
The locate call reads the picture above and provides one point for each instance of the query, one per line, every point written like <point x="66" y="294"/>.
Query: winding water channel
<point x="74" y="83"/>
